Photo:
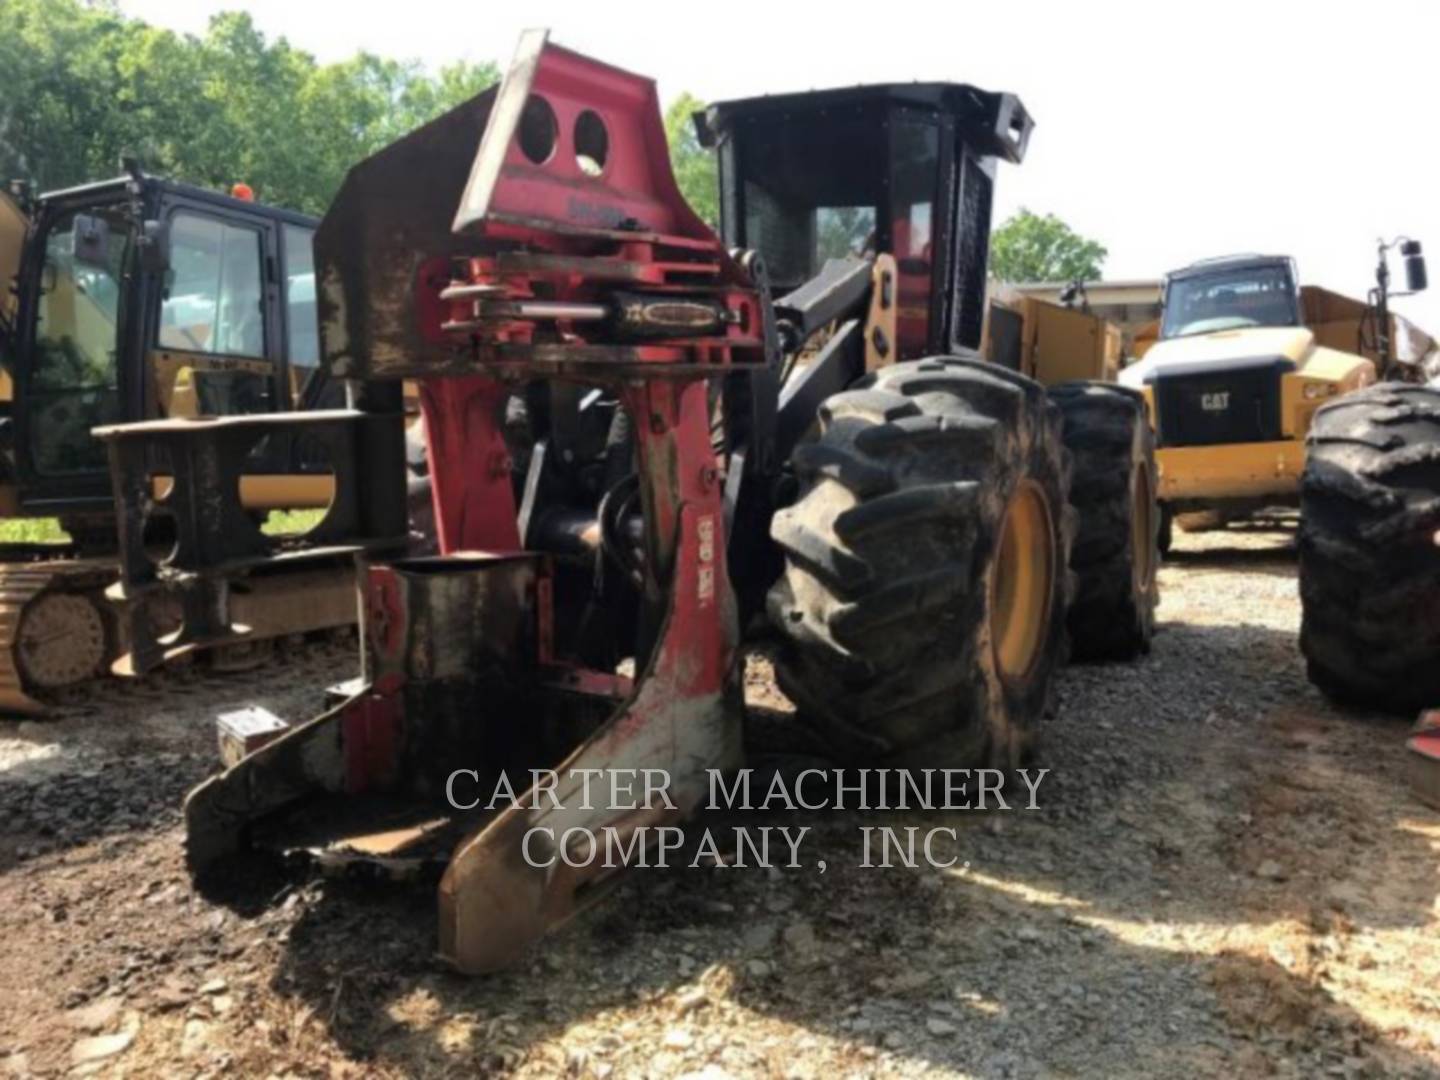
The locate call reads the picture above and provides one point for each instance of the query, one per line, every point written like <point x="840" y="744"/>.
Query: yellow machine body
<point x="1050" y="343"/>
<point x="1319" y="360"/>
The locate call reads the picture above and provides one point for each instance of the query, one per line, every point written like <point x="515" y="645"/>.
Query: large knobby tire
<point x="1369" y="564"/>
<point x="925" y="584"/>
<point x="1112" y="488"/>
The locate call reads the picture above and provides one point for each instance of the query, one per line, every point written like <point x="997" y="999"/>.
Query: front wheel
<point x="925" y="585"/>
<point x="1369" y="563"/>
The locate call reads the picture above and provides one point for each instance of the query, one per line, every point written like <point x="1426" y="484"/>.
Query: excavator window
<point x="302" y="330"/>
<point x="73" y="384"/>
<point x="214" y="306"/>
<point x="213" y="297"/>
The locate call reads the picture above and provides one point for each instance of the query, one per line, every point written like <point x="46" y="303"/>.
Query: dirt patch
<point x="1225" y="877"/>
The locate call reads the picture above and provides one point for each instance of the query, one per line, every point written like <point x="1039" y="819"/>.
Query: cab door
<point x="215" y="344"/>
<point x="14" y="226"/>
<point x="76" y="295"/>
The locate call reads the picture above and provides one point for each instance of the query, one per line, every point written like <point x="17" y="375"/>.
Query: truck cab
<point x="141" y="298"/>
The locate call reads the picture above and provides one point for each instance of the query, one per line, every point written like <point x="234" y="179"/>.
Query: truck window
<point x="73" y="382"/>
<point x="302" y="329"/>
<point x="1261" y="295"/>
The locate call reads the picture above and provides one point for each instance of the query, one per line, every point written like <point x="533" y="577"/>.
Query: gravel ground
<point x="1225" y="877"/>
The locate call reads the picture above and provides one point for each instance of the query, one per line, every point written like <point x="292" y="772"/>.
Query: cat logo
<point x="1217" y="402"/>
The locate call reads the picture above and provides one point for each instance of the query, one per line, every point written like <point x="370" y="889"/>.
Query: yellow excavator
<point x="140" y="298"/>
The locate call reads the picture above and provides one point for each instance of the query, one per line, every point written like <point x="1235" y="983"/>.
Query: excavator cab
<point x="903" y="170"/>
<point x="133" y="300"/>
<point x="140" y="298"/>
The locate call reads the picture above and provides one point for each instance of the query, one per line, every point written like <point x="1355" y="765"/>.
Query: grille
<point x="1235" y="404"/>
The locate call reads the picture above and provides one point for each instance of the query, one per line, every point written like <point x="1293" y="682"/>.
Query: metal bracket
<point x="178" y="482"/>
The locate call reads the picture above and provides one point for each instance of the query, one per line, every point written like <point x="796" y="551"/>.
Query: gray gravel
<point x="1224" y="877"/>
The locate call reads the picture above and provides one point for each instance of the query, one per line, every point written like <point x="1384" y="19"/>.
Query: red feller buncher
<point x="648" y="446"/>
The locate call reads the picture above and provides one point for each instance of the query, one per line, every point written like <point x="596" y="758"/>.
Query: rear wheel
<point x="1369" y="562"/>
<point x="925" y="566"/>
<point x="1116" y="550"/>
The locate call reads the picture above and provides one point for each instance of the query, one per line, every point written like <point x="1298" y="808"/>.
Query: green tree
<point x="83" y="84"/>
<point x="1028" y="247"/>
<point x="694" y="166"/>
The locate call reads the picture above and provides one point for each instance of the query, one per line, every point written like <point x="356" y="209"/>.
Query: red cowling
<point x="581" y="222"/>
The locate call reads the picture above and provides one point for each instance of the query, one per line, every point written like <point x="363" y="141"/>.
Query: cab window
<point x="1256" y="295"/>
<point x="214" y="300"/>
<point x="914" y="180"/>
<point x="212" y="339"/>
<point x="302" y="330"/>
<point x="73" y="384"/>
<point x="812" y="192"/>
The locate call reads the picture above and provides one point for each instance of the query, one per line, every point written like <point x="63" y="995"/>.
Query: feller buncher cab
<point x="649" y="445"/>
<point x="1244" y="357"/>
<point x="128" y="300"/>
<point x="907" y="171"/>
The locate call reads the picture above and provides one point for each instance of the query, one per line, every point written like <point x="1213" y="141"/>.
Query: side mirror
<point x="155" y="247"/>
<point x="1415" y="277"/>
<point x="90" y="241"/>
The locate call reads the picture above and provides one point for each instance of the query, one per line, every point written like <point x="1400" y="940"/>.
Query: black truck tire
<point x="1369" y="564"/>
<point x="925" y="583"/>
<point x="1116" y="550"/>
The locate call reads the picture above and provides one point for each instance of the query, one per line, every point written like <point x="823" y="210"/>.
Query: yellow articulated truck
<point x="1077" y="355"/>
<point x="1241" y="359"/>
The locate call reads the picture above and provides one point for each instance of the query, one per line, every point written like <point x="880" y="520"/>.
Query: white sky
<point x="1169" y="132"/>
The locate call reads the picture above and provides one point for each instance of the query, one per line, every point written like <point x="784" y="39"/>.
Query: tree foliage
<point x="694" y="166"/>
<point x="83" y="85"/>
<point x="1028" y="247"/>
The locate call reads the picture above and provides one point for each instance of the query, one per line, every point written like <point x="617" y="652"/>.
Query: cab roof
<point x="120" y="185"/>
<point x="1223" y="263"/>
<point x="993" y="124"/>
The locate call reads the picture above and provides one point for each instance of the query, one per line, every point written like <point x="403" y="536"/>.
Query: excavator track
<point x="61" y="637"/>
<point x="44" y="635"/>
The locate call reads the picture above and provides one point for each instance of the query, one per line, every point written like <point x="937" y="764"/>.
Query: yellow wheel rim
<point x="1142" y="528"/>
<point x="1023" y="583"/>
